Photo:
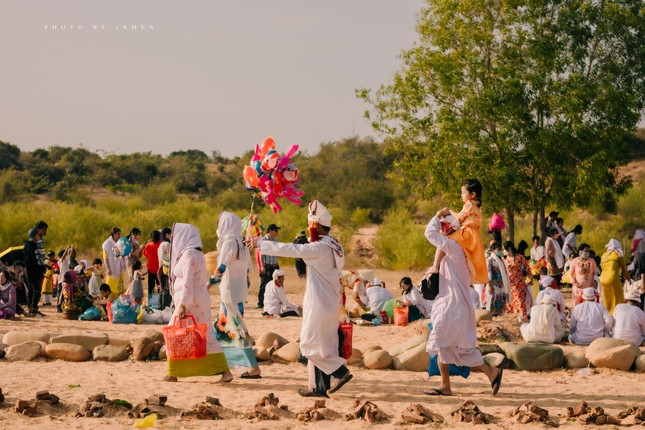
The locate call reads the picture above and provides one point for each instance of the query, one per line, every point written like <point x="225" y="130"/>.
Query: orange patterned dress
<point x="470" y="238"/>
<point x="517" y="302"/>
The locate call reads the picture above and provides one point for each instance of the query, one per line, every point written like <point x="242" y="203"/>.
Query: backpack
<point x="430" y="287"/>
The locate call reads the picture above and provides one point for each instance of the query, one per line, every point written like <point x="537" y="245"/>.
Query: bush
<point x="360" y="217"/>
<point x="401" y="244"/>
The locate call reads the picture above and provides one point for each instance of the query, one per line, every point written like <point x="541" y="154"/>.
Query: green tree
<point x="534" y="98"/>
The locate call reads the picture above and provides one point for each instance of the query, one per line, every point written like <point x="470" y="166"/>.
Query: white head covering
<point x="319" y="214"/>
<point x="639" y="234"/>
<point x="547" y="281"/>
<point x="277" y="273"/>
<point x="184" y="237"/>
<point x="452" y="221"/>
<point x="615" y="245"/>
<point x="589" y="294"/>
<point x="229" y="226"/>
<point x="378" y="282"/>
<point x="548" y="299"/>
<point x="633" y="295"/>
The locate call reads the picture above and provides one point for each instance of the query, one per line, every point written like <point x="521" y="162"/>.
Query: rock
<point x="18" y="337"/>
<point x="495" y="359"/>
<point x="640" y="363"/>
<point x="487" y="348"/>
<point x="156" y="348"/>
<point x="163" y="354"/>
<point x="2" y="348"/>
<point x="533" y="356"/>
<point x="261" y="354"/>
<point x="378" y="359"/>
<point x="574" y="361"/>
<point x="483" y="315"/>
<point x="88" y="341"/>
<point x="43" y="346"/>
<point x="115" y="341"/>
<point x="67" y="352"/>
<point x="25" y="351"/>
<point x="612" y="353"/>
<point x="371" y="348"/>
<point x="110" y="353"/>
<point x="415" y="359"/>
<point x="142" y="347"/>
<point x="356" y="359"/>
<point x="266" y="340"/>
<point x="155" y="335"/>
<point x="408" y="344"/>
<point x="289" y="352"/>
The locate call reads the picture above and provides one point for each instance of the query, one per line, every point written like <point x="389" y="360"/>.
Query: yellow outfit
<point x="48" y="286"/>
<point x="470" y="239"/>
<point x="612" y="265"/>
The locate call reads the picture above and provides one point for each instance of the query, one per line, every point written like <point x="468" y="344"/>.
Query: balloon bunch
<point x="272" y="174"/>
<point x="252" y="229"/>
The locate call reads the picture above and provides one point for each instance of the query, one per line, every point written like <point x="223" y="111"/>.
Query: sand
<point x="391" y="390"/>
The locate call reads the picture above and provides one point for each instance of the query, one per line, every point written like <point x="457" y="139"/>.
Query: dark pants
<point x="152" y="282"/>
<point x="323" y="380"/>
<point x="35" y="290"/>
<point x="265" y="278"/>
<point x="301" y="267"/>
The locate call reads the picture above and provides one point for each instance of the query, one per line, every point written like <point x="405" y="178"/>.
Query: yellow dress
<point x="470" y="238"/>
<point x="612" y="265"/>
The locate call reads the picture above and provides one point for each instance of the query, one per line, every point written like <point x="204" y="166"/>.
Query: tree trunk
<point x="535" y="223"/>
<point x="542" y="225"/>
<point x="510" y="224"/>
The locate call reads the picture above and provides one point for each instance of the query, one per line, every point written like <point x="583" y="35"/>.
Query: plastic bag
<point x="401" y="315"/>
<point x="166" y="315"/>
<point x="124" y="310"/>
<point x="454" y="370"/>
<point x="154" y="300"/>
<point x="151" y="316"/>
<point x="92" y="314"/>
<point x="185" y="342"/>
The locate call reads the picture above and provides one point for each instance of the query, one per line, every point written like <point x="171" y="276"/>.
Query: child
<point x="48" y="280"/>
<point x="97" y="277"/>
<point x="469" y="235"/>
<point x="136" y="286"/>
<point x="7" y="296"/>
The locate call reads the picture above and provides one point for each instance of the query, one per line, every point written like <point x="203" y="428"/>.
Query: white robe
<point x="414" y="297"/>
<point x="115" y="265"/>
<point x="629" y="323"/>
<point x="557" y="295"/>
<point x="377" y="297"/>
<point x="545" y="325"/>
<point x="233" y="287"/>
<point x="454" y="334"/>
<point x="557" y="254"/>
<point x="589" y="321"/>
<point x="570" y="242"/>
<point x="319" y="332"/>
<point x="275" y="300"/>
<point x="537" y="253"/>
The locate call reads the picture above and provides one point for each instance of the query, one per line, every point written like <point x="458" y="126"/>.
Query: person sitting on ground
<point x="545" y="325"/>
<point x="360" y="294"/>
<point x="589" y="320"/>
<point x="275" y="299"/>
<point x="548" y="283"/>
<point x="629" y="319"/>
<point x="418" y="307"/>
<point x="7" y="296"/>
<point x="377" y="296"/>
<point x="75" y="300"/>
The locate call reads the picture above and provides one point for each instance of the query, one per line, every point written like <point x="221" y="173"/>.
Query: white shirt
<point x="234" y="287"/>
<point x="377" y="296"/>
<point x="589" y="321"/>
<point x="629" y="323"/>
<point x="537" y="253"/>
<point x="163" y="250"/>
<point x="414" y="297"/>
<point x="115" y="265"/>
<point x="544" y="326"/>
<point x="275" y="300"/>
<point x="557" y="295"/>
<point x="570" y="242"/>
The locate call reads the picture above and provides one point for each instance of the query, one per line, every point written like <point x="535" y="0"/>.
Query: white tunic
<point x="557" y="295"/>
<point x="589" y="321"/>
<point x="275" y="300"/>
<point x="233" y="287"/>
<point x="415" y="298"/>
<point x="570" y="242"/>
<point x="454" y="334"/>
<point x="629" y="323"/>
<point x="115" y="265"/>
<point x="377" y="297"/>
<point x="545" y="325"/>
<point x="537" y="253"/>
<point x="319" y="332"/>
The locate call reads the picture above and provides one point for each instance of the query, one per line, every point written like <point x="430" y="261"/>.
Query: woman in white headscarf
<point x="612" y="265"/>
<point x="545" y="325"/>
<point x="189" y="286"/>
<point x="233" y="265"/>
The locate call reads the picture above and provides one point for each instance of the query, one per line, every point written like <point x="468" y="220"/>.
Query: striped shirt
<point x="269" y="260"/>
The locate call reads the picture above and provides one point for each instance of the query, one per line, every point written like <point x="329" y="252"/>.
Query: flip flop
<point x="246" y="375"/>
<point x="436" y="392"/>
<point x="497" y="382"/>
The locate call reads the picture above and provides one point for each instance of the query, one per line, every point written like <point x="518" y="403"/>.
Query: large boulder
<point x="2" y="348"/>
<point x="116" y="341"/>
<point x="533" y="356"/>
<point x="26" y="351"/>
<point x="18" y="337"/>
<point x="487" y="348"/>
<point x="483" y="315"/>
<point x="163" y="354"/>
<point x="142" y="348"/>
<point x="266" y="340"/>
<point x="378" y="359"/>
<point x="575" y="361"/>
<point x="110" y="353"/>
<point x="67" y="352"/>
<point x="371" y="348"/>
<point x="43" y="346"/>
<point x="261" y="354"/>
<point x="408" y="344"/>
<point x="356" y="359"/>
<point x="289" y="352"/>
<point x="88" y="341"/>
<point x="495" y="359"/>
<point x="155" y="335"/>
<point x="612" y="353"/>
<point x="640" y="363"/>
<point x="415" y="359"/>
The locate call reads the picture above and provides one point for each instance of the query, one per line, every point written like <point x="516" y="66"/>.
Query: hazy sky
<point x="210" y="75"/>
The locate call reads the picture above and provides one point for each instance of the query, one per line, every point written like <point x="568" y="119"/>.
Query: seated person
<point x="418" y="307"/>
<point x="545" y="325"/>
<point x="275" y="299"/>
<point x="547" y="284"/>
<point x="75" y="300"/>
<point x="629" y="319"/>
<point x="360" y="294"/>
<point x="377" y="296"/>
<point x="7" y="296"/>
<point x="589" y="320"/>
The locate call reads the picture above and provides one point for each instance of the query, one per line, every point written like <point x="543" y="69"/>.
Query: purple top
<point x="8" y="297"/>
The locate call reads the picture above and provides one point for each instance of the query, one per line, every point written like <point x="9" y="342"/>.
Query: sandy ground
<point x="391" y="390"/>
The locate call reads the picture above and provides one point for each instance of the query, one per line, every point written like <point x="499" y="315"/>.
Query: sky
<point x="216" y="75"/>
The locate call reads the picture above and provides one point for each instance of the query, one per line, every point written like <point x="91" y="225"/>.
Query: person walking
<point x="268" y="264"/>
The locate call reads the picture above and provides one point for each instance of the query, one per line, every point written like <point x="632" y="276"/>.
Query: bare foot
<point x="169" y="378"/>
<point x="226" y="377"/>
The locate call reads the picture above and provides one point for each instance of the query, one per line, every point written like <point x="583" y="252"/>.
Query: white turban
<point x="378" y="282"/>
<point x="614" y="245"/>
<point x="277" y="273"/>
<point x="633" y="295"/>
<point x="319" y="214"/>
<point x="547" y="281"/>
<point x="589" y="294"/>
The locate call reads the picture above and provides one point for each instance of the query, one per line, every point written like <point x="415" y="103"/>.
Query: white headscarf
<point x="546" y="281"/>
<point x="589" y="294"/>
<point x="277" y="274"/>
<point x="614" y="245"/>
<point x="639" y="234"/>
<point x="319" y="214"/>
<point x="558" y="256"/>
<point x="543" y="319"/>
<point x="184" y="237"/>
<point x="502" y="269"/>
<point x="229" y="227"/>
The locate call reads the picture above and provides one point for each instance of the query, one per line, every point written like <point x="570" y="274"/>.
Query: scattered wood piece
<point x="312" y="413"/>
<point x="468" y="412"/>
<point x="637" y="415"/>
<point x="588" y="415"/>
<point x="367" y="411"/>
<point x="156" y="400"/>
<point x="416" y="413"/>
<point x="530" y="413"/>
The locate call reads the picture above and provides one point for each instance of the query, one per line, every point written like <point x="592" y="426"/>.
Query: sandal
<point x="497" y="382"/>
<point x="247" y="375"/>
<point x="436" y="392"/>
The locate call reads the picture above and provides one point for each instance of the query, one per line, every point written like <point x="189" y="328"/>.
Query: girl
<point x="469" y="235"/>
<point x="7" y="296"/>
<point x="97" y="278"/>
<point x="152" y="260"/>
<point x="136" y="286"/>
<point x="498" y="286"/>
<point x="517" y="269"/>
<point x="418" y="307"/>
